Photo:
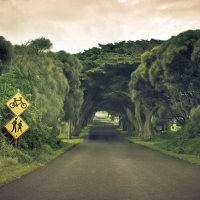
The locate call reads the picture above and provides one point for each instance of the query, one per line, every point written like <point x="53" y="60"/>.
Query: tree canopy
<point x="148" y="84"/>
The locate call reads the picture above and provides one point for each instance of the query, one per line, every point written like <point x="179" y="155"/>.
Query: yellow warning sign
<point x="16" y="127"/>
<point x="17" y="104"/>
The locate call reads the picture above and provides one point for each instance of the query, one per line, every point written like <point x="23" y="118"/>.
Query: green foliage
<point x="107" y="71"/>
<point x="195" y="113"/>
<point x="6" y="51"/>
<point x="168" y="77"/>
<point x="46" y="82"/>
<point x="11" y="152"/>
<point x="40" y="45"/>
<point x="71" y="67"/>
<point x="178" y="142"/>
<point x="192" y="127"/>
<point x="129" y="48"/>
<point x="149" y="83"/>
<point x="185" y="140"/>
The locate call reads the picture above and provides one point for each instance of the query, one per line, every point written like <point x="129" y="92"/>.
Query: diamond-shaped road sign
<point x="17" y="104"/>
<point x="16" y="127"/>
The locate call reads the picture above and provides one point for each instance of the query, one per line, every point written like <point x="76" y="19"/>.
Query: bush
<point x="186" y="140"/>
<point x="54" y="141"/>
<point x="192" y="129"/>
<point x="23" y="157"/>
<point x="195" y="113"/>
<point x="35" y="137"/>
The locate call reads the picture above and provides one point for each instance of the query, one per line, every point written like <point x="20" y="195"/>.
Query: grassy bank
<point x="13" y="167"/>
<point x="162" y="145"/>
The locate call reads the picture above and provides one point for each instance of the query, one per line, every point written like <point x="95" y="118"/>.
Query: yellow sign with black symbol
<point x="17" y="104"/>
<point x="16" y="127"/>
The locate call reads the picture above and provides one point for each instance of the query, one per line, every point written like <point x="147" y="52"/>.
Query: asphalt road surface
<point x="107" y="167"/>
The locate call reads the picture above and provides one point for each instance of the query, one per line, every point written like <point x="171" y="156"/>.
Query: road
<point x="107" y="167"/>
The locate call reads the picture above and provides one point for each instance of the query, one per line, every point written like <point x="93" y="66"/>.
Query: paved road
<point x="107" y="167"/>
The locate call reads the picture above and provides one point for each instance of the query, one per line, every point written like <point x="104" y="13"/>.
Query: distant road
<point x="107" y="167"/>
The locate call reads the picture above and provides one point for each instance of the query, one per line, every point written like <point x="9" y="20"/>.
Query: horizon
<point x="52" y="49"/>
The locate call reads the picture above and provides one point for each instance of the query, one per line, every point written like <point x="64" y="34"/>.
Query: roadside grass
<point x="12" y="168"/>
<point x="160" y="145"/>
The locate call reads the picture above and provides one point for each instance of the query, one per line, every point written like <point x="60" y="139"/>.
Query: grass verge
<point x="157" y="145"/>
<point x="11" y="168"/>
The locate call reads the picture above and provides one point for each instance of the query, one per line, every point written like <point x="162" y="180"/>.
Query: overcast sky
<point x="75" y="25"/>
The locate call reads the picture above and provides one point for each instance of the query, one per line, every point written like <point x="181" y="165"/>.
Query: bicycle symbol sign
<point x="17" y="104"/>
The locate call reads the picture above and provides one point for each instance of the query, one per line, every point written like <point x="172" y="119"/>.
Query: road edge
<point x="22" y="169"/>
<point x="192" y="159"/>
<point x="31" y="167"/>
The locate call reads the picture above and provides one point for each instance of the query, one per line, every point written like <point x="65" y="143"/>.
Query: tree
<point x="6" y="51"/>
<point x="71" y="67"/>
<point x="167" y="79"/>
<point x="105" y="77"/>
<point x="40" y="45"/>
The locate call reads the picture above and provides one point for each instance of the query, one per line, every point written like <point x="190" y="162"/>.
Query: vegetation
<point x="150" y="86"/>
<point x="50" y="86"/>
<point x="5" y="54"/>
<point x="16" y="162"/>
<point x="105" y="77"/>
<point x="161" y="145"/>
<point x="165" y="85"/>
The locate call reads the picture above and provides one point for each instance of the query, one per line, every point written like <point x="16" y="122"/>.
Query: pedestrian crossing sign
<point x="16" y="127"/>
<point x="17" y="104"/>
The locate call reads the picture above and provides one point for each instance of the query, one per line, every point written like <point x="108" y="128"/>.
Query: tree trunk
<point x="69" y="130"/>
<point x="133" y="124"/>
<point x="120" y="122"/>
<point x="140" y="122"/>
<point x="148" y="129"/>
<point x="131" y="128"/>
<point x="124" y="124"/>
<point x="85" y="110"/>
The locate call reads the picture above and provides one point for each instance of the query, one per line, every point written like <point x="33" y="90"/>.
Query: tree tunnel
<point x="150" y="85"/>
<point x="146" y="83"/>
<point x="106" y="88"/>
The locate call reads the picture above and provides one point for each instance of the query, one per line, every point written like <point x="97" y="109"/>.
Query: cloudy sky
<point x="75" y="25"/>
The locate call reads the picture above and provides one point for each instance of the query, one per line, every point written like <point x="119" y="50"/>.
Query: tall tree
<point x="6" y="51"/>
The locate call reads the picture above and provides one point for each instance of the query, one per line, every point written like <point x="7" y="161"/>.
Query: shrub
<point x="192" y="129"/>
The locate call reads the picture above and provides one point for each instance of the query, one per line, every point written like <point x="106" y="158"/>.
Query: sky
<point x="76" y="25"/>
